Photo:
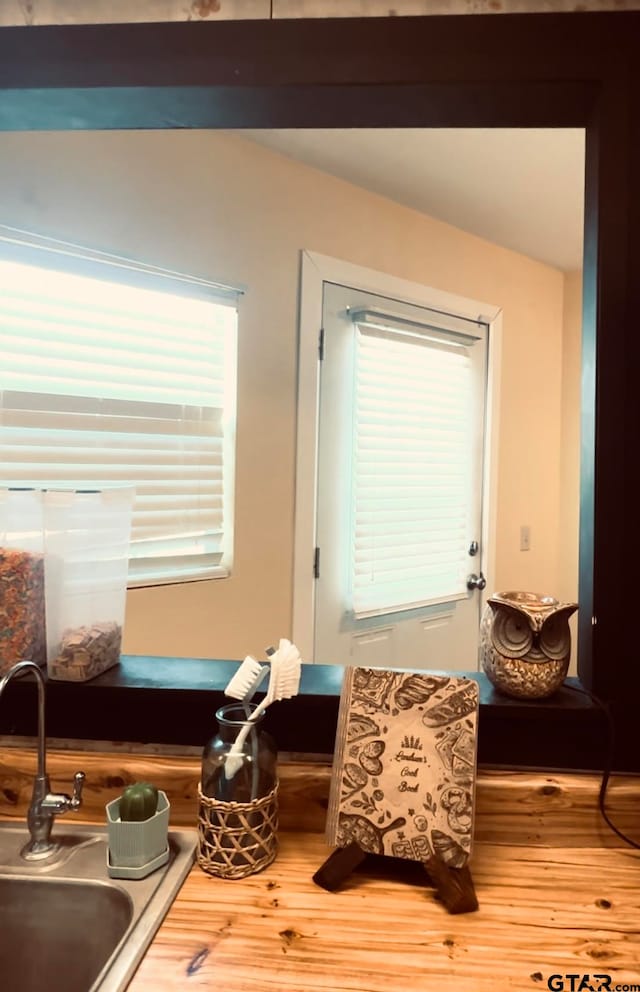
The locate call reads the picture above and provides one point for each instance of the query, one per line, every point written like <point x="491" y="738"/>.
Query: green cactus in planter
<point x="138" y="802"/>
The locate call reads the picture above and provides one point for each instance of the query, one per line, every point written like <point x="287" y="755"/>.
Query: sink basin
<point x="65" y="924"/>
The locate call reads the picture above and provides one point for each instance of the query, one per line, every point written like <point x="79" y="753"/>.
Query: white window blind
<point x="117" y="374"/>
<point x="412" y="457"/>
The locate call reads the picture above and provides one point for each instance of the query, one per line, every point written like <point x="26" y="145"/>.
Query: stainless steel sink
<point x="64" y="924"/>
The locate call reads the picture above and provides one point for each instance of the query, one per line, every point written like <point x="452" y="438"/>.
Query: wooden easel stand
<point x="454" y="886"/>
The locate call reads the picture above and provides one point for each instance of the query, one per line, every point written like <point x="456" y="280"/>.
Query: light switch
<point x="525" y="537"/>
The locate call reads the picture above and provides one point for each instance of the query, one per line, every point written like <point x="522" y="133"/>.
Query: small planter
<point x="136" y="848"/>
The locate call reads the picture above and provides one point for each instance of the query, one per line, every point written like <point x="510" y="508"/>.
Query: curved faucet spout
<point x="21" y="667"/>
<point x="44" y="805"/>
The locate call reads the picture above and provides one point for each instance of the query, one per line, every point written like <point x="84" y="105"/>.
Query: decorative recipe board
<point x="404" y="769"/>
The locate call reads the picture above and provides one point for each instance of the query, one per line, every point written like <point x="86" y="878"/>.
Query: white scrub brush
<point x="246" y="681"/>
<point x="243" y="687"/>
<point x="284" y="682"/>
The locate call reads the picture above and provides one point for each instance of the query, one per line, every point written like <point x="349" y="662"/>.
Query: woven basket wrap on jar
<point x="237" y="839"/>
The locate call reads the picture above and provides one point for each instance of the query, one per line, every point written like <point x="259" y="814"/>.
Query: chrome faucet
<point x="45" y="805"/>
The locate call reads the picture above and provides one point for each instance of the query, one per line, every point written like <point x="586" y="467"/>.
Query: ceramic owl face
<point x="525" y="643"/>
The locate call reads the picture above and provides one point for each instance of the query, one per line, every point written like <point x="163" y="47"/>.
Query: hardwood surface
<point x="559" y="893"/>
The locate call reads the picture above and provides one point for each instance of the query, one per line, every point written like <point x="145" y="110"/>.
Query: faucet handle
<point x="59" y="802"/>
<point x="78" y="782"/>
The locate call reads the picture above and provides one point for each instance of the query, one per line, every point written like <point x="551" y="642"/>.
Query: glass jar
<point x="250" y="773"/>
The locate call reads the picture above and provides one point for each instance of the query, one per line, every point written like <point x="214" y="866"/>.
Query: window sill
<point x="172" y="702"/>
<point x="150" y="581"/>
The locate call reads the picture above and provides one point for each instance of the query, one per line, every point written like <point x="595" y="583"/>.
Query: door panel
<point x="440" y="632"/>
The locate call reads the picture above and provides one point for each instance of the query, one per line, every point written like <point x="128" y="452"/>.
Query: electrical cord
<point x="608" y="765"/>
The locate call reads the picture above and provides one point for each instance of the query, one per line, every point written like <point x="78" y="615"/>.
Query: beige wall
<point x="213" y="205"/>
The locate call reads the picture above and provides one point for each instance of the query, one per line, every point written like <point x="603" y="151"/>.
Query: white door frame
<point x="315" y="270"/>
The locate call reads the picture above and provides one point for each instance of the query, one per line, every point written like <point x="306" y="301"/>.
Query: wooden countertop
<point x="542" y="912"/>
<point x="559" y="893"/>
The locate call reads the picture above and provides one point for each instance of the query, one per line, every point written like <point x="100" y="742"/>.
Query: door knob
<point x="476" y="581"/>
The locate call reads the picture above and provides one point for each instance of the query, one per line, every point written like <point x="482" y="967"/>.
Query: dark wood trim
<point x="607" y="196"/>
<point x="519" y="71"/>
<point x="524" y="71"/>
<point x="319" y="51"/>
<point x="535" y="104"/>
<point x="172" y="701"/>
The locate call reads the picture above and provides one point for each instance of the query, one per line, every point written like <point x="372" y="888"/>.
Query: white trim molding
<point x="315" y="270"/>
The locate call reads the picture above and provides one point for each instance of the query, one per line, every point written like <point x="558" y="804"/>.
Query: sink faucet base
<point x="36" y="850"/>
<point x="45" y="805"/>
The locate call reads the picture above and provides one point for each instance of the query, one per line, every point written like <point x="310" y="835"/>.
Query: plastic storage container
<point x="87" y="538"/>
<point x="22" y="592"/>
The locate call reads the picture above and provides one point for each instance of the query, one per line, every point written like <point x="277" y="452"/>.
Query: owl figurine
<point x="525" y="643"/>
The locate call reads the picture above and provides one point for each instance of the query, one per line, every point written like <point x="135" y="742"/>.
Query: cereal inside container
<point x="22" y="595"/>
<point x="87" y="538"/>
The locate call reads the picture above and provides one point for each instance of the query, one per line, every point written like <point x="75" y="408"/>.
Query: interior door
<point x="399" y="499"/>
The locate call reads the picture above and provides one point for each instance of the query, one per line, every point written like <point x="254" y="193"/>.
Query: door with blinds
<point x="399" y="501"/>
